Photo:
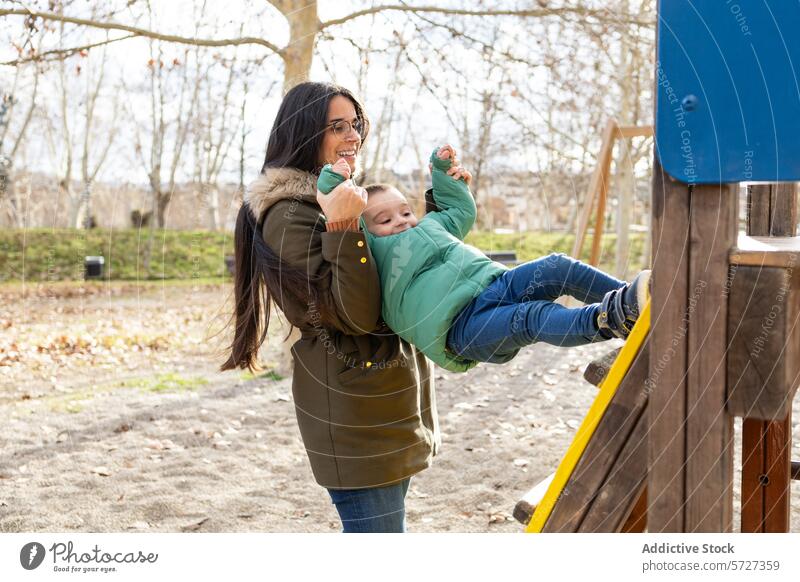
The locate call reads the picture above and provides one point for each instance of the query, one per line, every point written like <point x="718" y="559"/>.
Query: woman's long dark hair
<point x="260" y="274"/>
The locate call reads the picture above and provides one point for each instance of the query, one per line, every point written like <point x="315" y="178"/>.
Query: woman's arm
<point x="296" y="232"/>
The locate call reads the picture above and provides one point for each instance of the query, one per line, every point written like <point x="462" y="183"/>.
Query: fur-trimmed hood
<point x="277" y="184"/>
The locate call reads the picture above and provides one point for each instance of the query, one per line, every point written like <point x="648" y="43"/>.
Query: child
<point x="458" y="306"/>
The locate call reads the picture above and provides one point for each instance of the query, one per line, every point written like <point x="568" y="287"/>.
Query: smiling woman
<point x="364" y="398"/>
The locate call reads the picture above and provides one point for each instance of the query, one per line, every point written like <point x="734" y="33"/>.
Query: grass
<point x="531" y="245"/>
<point x="268" y="375"/>
<point x="48" y="255"/>
<point x="197" y="257"/>
<point x="74" y="402"/>
<point x="167" y="383"/>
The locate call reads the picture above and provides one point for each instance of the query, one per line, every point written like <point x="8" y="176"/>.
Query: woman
<point x="364" y="398"/>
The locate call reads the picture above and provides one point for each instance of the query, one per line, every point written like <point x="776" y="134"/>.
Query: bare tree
<point x="15" y="118"/>
<point x="160" y="151"/>
<point x="82" y="78"/>
<point x="302" y="17"/>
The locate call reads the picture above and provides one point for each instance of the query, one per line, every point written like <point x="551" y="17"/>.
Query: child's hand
<point x="342" y="168"/>
<point x="458" y="172"/>
<point x="446" y="152"/>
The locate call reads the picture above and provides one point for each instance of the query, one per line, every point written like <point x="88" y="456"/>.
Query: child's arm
<point x="457" y="211"/>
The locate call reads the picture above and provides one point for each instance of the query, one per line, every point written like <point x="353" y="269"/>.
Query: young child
<point x="458" y="306"/>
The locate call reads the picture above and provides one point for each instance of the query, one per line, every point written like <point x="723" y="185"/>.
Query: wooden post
<point x="598" y="182"/>
<point x="766" y="446"/>
<point x="666" y="407"/>
<point x="598" y="187"/>
<point x="690" y="439"/>
<point x="709" y="429"/>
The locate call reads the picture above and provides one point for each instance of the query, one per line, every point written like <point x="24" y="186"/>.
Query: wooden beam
<point x="666" y="408"/>
<point x="709" y="429"/>
<point x="777" y="484"/>
<point x="783" y="209"/>
<point x="626" y="131"/>
<point x="763" y="342"/>
<point x="523" y="510"/>
<point x="766" y="475"/>
<point x="766" y="251"/>
<point x="592" y="192"/>
<point x="606" y="445"/>
<point x="637" y="520"/>
<point x="623" y="487"/>
<point x="752" y="469"/>
<point x="597" y="370"/>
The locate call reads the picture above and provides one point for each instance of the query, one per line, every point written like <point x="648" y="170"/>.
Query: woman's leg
<point x="372" y="510"/>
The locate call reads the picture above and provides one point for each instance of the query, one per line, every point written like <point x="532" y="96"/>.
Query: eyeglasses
<point x="342" y="128"/>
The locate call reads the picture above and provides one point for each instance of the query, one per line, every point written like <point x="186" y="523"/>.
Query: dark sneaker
<point x="620" y="308"/>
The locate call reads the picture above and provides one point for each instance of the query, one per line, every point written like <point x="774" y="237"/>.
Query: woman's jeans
<point x="372" y="510"/>
<point x="518" y="309"/>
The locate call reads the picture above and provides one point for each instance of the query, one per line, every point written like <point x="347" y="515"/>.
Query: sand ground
<point x="115" y="419"/>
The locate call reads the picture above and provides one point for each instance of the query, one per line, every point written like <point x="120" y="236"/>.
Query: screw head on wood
<point x="690" y="102"/>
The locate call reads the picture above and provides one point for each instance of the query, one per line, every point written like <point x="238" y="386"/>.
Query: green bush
<point x="58" y="254"/>
<point x="531" y="245"/>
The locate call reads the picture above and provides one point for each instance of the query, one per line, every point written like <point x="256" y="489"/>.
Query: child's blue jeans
<point x="372" y="510"/>
<point x="517" y="309"/>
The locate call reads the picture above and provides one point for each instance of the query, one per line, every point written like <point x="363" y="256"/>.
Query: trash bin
<point x="93" y="267"/>
<point x="230" y="265"/>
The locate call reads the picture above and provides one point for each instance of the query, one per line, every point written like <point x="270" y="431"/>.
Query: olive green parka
<point x="364" y="398"/>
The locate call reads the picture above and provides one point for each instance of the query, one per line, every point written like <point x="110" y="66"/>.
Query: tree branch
<point x="67" y="52"/>
<point x="135" y="31"/>
<point x="535" y="13"/>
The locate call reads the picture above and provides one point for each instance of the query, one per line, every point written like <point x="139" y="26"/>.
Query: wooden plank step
<point x="525" y="507"/>
<point x="597" y="370"/>
<point x="766" y="251"/>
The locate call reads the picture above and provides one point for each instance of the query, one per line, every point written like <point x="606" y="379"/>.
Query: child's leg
<point x="518" y="309"/>
<point x="555" y="275"/>
<point x="489" y="331"/>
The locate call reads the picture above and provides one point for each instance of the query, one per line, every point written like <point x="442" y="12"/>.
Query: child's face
<point x="388" y="213"/>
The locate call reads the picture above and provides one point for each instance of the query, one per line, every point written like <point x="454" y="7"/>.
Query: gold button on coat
<point x="361" y="243"/>
<point x="363" y="259"/>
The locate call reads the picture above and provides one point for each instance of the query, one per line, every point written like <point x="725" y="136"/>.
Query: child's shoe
<point x="620" y="308"/>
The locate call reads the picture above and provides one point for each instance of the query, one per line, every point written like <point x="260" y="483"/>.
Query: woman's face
<point x="348" y="144"/>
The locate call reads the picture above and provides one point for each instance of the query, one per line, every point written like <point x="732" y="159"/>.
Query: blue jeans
<point x="517" y="309"/>
<point x="372" y="510"/>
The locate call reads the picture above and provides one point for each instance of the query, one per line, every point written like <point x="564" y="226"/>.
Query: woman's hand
<point x="345" y="201"/>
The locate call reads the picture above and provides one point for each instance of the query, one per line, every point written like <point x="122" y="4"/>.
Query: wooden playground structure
<point x="719" y="338"/>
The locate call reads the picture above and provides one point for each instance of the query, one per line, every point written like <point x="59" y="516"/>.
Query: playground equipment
<point x="720" y="338"/>
<point x="597" y="192"/>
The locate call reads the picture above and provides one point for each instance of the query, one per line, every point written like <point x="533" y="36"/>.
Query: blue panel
<point x="728" y="99"/>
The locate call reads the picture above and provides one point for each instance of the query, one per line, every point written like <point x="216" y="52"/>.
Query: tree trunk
<point x="303" y="29"/>
<point x="163" y="200"/>
<point x="211" y="199"/>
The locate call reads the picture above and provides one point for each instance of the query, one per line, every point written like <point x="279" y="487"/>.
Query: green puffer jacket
<point x="428" y="275"/>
